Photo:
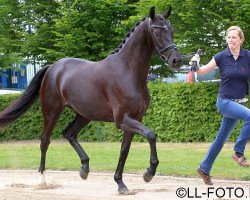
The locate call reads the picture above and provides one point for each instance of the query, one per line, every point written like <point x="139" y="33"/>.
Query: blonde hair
<point x="238" y="29"/>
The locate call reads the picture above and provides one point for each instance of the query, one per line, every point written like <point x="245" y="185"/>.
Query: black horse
<point x="112" y="90"/>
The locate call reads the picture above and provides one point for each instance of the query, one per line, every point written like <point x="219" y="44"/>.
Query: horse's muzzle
<point x="177" y="61"/>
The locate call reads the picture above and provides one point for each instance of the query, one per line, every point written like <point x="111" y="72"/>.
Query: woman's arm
<point x="207" y="68"/>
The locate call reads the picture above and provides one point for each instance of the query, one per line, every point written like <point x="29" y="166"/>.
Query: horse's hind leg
<point x="126" y="142"/>
<point x="51" y="112"/>
<point x="70" y="133"/>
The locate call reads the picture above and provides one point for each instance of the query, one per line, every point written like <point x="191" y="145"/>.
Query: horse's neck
<point x="137" y="53"/>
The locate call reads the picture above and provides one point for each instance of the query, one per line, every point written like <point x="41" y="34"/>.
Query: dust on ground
<point x="67" y="185"/>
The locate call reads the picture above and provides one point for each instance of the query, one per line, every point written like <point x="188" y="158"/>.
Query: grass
<point x="176" y="159"/>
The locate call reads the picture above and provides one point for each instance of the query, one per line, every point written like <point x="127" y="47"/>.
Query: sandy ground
<point x="62" y="185"/>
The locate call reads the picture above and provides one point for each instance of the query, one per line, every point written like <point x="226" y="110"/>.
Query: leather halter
<point x="160" y="51"/>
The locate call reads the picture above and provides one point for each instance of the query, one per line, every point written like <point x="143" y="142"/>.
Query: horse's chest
<point x="138" y="106"/>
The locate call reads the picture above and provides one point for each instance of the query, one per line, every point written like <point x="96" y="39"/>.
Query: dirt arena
<point x="62" y="185"/>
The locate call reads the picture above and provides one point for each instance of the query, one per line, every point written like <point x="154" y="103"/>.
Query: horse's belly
<point x="98" y="116"/>
<point x="93" y="110"/>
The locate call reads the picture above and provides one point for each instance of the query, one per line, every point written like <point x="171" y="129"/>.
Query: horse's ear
<point x="152" y="13"/>
<point x="167" y="12"/>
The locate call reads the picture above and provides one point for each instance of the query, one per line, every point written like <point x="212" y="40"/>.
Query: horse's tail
<point x="21" y="105"/>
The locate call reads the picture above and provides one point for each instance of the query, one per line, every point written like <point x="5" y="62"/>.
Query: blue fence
<point x="15" y="78"/>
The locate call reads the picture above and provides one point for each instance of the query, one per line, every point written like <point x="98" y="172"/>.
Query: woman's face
<point x="233" y="40"/>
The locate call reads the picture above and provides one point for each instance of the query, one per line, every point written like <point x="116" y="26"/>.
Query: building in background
<point x="19" y="76"/>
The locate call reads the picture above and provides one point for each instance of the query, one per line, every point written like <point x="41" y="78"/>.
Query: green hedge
<point x="178" y="112"/>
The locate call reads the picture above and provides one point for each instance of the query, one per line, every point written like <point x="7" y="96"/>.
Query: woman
<point x="234" y="66"/>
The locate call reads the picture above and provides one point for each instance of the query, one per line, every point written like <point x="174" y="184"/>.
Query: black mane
<point x="127" y="36"/>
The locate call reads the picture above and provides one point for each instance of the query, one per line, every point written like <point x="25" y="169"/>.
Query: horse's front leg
<point x="132" y="125"/>
<point x="126" y="142"/>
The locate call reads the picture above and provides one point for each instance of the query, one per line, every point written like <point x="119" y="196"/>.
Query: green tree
<point x="89" y="29"/>
<point x="38" y="22"/>
<point x="203" y="24"/>
<point x="243" y="15"/>
<point x="11" y="33"/>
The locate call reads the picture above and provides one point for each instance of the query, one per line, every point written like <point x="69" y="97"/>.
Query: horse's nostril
<point x="177" y="62"/>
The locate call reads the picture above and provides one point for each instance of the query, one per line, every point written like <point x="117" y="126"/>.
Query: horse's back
<point x="68" y="69"/>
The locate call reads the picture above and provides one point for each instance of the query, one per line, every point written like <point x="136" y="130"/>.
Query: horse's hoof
<point x="123" y="191"/>
<point x="84" y="174"/>
<point x="147" y="176"/>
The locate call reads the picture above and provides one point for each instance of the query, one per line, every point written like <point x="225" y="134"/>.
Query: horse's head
<point x="161" y="33"/>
